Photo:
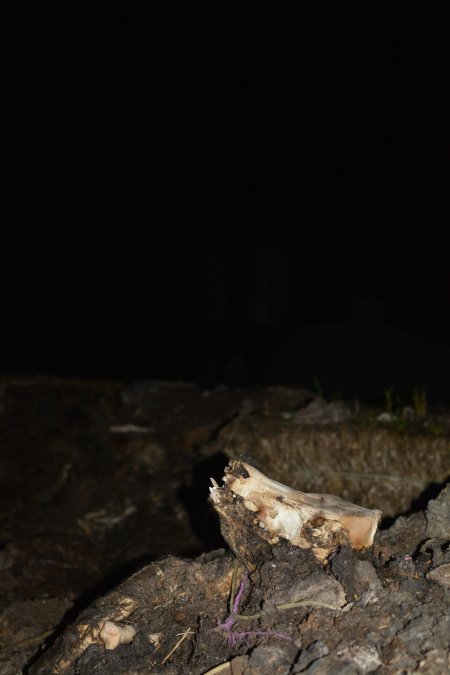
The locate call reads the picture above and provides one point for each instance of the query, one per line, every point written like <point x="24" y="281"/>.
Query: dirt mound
<point x="384" y="610"/>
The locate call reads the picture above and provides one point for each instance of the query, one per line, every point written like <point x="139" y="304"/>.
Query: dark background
<point x="216" y="197"/>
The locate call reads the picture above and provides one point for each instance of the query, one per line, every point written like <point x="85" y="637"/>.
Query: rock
<point x="357" y="576"/>
<point x="438" y="515"/>
<point x="317" y="650"/>
<point x="402" y="537"/>
<point x="315" y="588"/>
<point x="269" y="659"/>
<point x="441" y="575"/>
<point x="364" y="657"/>
<point x="320" y="412"/>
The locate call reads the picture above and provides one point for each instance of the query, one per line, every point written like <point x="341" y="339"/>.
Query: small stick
<point x="233" y="586"/>
<point x="182" y="638"/>
<point x="289" y="605"/>
<point x="240" y="593"/>
<point x="307" y="603"/>
<point x="221" y="668"/>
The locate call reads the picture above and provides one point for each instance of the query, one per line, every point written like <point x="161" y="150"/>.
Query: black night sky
<point x="225" y="198"/>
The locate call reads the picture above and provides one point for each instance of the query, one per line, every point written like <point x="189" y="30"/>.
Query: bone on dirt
<point x="252" y="506"/>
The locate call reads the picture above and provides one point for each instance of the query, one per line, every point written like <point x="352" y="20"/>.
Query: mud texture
<point x="384" y="611"/>
<point x="100" y="480"/>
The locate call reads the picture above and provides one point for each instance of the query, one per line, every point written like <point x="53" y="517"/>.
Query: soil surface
<point x="103" y="480"/>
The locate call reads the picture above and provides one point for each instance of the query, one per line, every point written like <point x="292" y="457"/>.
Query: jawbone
<point x="321" y="522"/>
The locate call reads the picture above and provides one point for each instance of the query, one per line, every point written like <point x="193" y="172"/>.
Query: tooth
<point x="214" y="484"/>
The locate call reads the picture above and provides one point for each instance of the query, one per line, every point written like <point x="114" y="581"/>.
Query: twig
<point x="182" y="638"/>
<point x="233" y="586"/>
<point x="240" y="593"/>
<point x="289" y="605"/>
<point x="308" y="603"/>
<point x="222" y="668"/>
<point x="410" y="576"/>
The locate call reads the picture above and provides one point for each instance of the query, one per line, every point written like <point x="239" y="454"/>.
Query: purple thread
<point x="234" y="637"/>
<point x="229" y="622"/>
<point x="227" y="625"/>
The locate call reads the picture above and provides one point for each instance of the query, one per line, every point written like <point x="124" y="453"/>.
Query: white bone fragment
<point x="113" y="635"/>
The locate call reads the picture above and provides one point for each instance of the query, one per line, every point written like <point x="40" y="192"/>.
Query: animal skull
<point x="320" y="522"/>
